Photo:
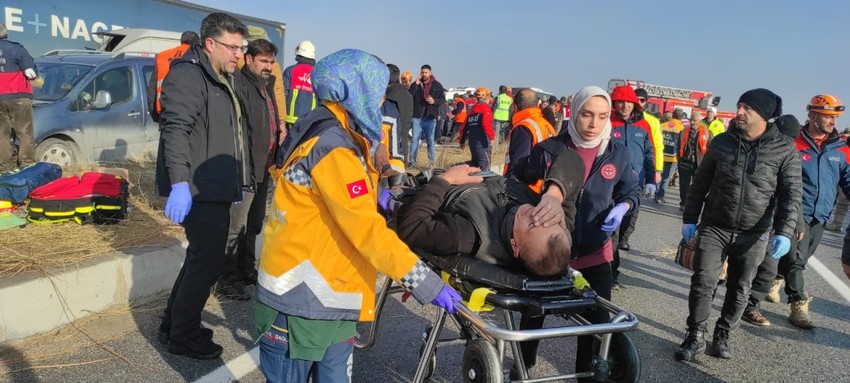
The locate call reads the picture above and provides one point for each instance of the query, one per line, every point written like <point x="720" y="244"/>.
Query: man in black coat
<point x="203" y="168"/>
<point x="404" y="101"/>
<point x="749" y="182"/>
<point x="428" y="95"/>
<point x="255" y="89"/>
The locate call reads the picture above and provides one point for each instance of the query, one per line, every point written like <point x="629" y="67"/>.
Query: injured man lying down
<point x="498" y="220"/>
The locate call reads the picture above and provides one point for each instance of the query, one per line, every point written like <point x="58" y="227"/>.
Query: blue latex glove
<point x="447" y="299"/>
<point x="385" y="201"/>
<point x="615" y="217"/>
<point x="179" y="202"/>
<point x="649" y="190"/>
<point x="689" y="230"/>
<point x="779" y="246"/>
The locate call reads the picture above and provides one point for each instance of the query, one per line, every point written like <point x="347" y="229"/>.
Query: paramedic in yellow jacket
<point x="325" y="240"/>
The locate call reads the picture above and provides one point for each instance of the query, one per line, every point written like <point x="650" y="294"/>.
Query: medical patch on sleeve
<point x="357" y="189"/>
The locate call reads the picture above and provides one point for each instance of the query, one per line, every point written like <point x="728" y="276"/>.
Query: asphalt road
<point x="656" y="290"/>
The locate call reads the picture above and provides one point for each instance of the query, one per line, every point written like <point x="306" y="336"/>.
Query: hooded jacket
<point x="325" y="241"/>
<point x="739" y="184"/>
<point x="635" y="134"/>
<point x="257" y="119"/>
<point x="404" y="101"/>
<point x="824" y="167"/>
<point x="298" y="89"/>
<point x="201" y="137"/>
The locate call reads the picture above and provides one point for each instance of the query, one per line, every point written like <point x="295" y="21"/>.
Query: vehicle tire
<point x="623" y="358"/>
<point x="57" y="151"/>
<point x="481" y="363"/>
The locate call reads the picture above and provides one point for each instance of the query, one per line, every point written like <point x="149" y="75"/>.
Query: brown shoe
<point x="800" y="314"/>
<point x="773" y="295"/>
<point x="754" y="316"/>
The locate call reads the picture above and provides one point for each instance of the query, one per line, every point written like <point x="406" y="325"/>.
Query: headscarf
<point x="356" y="80"/>
<point x="578" y="101"/>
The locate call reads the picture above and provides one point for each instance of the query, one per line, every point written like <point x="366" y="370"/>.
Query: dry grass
<point x="450" y="154"/>
<point x="53" y="246"/>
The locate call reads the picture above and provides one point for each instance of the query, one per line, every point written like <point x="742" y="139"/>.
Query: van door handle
<point x="134" y="114"/>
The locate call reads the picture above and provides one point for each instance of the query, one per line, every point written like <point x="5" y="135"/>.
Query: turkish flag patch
<point x="357" y="189"/>
<point x="806" y="157"/>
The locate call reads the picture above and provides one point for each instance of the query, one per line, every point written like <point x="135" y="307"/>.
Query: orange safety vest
<point x="702" y="140"/>
<point x="540" y="129"/>
<point x="163" y="64"/>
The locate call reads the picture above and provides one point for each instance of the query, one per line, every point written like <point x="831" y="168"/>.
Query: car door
<point x="151" y="127"/>
<point x="113" y="132"/>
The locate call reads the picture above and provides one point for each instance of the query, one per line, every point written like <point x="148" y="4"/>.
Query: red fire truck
<point x="666" y="99"/>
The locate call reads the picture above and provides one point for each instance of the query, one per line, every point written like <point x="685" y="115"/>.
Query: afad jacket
<point x="480" y="118"/>
<point x="635" y="135"/>
<point x="611" y="181"/>
<point x="16" y="59"/>
<point x="298" y="89"/>
<point x="823" y="168"/>
<point x="747" y="186"/>
<point x="325" y="240"/>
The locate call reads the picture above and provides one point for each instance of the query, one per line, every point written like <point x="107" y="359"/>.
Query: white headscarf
<point x="579" y="99"/>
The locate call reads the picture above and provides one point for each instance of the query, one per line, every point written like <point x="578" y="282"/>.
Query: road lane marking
<point x="836" y="283"/>
<point x="234" y="369"/>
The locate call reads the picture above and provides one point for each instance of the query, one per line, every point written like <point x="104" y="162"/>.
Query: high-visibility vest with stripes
<point x="163" y="64"/>
<point x="539" y="132"/>
<point x="503" y="107"/>
<point x="300" y="89"/>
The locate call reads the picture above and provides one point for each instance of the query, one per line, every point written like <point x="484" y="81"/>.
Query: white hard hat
<point x="712" y="109"/>
<point x="306" y="49"/>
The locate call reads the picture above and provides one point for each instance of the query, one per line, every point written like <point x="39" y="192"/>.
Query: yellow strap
<point x="580" y="283"/>
<point x="476" y="300"/>
<point x="445" y="276"/>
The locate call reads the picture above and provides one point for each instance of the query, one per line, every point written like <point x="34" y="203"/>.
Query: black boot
<point x="694" y="344"/>
<point x="720" y="344"/>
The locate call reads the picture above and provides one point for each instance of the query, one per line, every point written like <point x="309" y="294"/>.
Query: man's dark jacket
<point x="611" y="181"/>
<point x="739" y="183"/>
<point x="478" y="218"/>
<point x="199" y="141"/>
<point x="404" y="100"/>
<point x="255" y="119"/>
<point x="421" y="108"/>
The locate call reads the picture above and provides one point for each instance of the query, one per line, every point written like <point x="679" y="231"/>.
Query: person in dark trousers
<point x="630" y="128"/>
<point x="825" y="161"/>
<point x="17" y="71"/>
<point x="610" y="190"/>
<point x="404" y="101"/>
<point x="478" y="130"/>
<point x="754" y="177"/>
<point x="203" y="167"/>
<point x="255" y="90"/>
<point x="693" y="142"/>
<point x="428" y="95"/>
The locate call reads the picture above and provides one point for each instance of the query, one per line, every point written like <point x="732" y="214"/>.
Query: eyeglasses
<point x="641" y="99"/>
<point x="233" y="48"/>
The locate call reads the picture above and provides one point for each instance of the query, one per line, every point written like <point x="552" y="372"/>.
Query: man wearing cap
<point x="714" y="124"/>
<point x="655" y="129"/>
<point x="826" y="164"/>
<point x="550" y="110"/>
<point x="753" y="173"/>
<point x="297" y="85"/>
<point x="631" y="130"/>
<point x="478" y="129"/>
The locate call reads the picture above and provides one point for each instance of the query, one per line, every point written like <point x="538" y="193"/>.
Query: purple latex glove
<point x="386" y="201"/>
<point x="615" y="217"/>
<point x="446" y="299"/>
<point x="179" y="202"/>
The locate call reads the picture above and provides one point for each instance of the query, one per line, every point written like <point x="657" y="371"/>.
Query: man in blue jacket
<point x="825" y="159"/>
<point x="17" y="69"/>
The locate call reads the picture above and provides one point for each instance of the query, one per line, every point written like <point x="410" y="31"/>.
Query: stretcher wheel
<point x="432" y="363"/>
<point x="481" y="363"/>
<point x="623" y="358"/>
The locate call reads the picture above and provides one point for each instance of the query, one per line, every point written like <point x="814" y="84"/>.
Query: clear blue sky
<point x="795" y="48"/>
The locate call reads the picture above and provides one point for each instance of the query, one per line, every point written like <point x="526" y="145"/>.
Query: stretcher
<point x="486" y="287"/>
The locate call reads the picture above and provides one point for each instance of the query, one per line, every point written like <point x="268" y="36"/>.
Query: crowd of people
<point x="328" y="137"/>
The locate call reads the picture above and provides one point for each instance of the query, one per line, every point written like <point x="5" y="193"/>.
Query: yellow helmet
<point x="825" y="104"/>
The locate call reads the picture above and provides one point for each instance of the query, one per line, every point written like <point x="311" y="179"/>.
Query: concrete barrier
<point x="31" y="303"/>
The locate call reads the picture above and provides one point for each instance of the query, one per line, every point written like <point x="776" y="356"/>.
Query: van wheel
<point x="57" y="151"/>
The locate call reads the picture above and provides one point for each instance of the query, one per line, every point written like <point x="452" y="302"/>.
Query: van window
<point x="118" y="82"/>
<point x="55" y="80"/>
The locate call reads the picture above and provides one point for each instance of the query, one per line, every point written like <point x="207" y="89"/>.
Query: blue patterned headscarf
<point x="356" y="80"/>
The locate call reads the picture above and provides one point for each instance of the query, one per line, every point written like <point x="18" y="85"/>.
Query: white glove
<point x="649" y="190"/>
<point x="30" y="73"/>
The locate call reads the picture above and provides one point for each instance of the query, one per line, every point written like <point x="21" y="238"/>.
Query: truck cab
<point x="92" y="106"/>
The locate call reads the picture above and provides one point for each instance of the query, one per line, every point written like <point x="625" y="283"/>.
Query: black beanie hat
<point x="641" y="93"/>
<point x="766" y="103"/>
<point x="788" y="125"/>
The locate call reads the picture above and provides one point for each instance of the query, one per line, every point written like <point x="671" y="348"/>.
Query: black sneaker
<point x="164" y="333"/>
<point x="720" y="344"/>
<point x="624" y="245"/>
<point x="195" y="348"/>
<point x="693" y="345"/>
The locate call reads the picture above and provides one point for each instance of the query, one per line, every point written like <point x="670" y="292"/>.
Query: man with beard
<point x="753" y="175"/>
<point x="428" y="95"/>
